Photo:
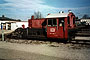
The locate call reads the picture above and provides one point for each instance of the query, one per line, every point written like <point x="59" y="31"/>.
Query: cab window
<point x="52" y="22"/>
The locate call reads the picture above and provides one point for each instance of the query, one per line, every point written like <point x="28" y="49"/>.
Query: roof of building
<point x="85" y="19"/>
<point x="3" y="18"/>
<point x="58" y="15"/>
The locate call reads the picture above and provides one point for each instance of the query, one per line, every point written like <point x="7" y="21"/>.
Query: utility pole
<point x="2" y="32"/>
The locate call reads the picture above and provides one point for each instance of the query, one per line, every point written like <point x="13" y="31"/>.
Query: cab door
<point x="61" y="28"/>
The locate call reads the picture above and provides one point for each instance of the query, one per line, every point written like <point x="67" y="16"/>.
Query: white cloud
<point x="23" y="7"/>
<point x="26" y="4"/>
<point x="36" y="5"/>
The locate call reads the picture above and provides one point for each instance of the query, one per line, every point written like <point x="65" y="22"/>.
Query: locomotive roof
<point x="57" y="15"/>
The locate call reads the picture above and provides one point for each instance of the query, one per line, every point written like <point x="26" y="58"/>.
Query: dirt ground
<point x="53" y="50"/>
<point x="6" y="31"/>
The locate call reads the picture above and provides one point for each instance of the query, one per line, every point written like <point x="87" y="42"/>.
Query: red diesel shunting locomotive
<point x="53" y="26"/>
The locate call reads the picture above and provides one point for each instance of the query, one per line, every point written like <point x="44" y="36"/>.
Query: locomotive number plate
<point x="52" y="29"/>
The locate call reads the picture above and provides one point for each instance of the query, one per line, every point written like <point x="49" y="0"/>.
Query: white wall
<point x="85" y="20"/>
<point x="19" y="24"/>
<point x="15" y="25"/>
<point x="5" y="22"/>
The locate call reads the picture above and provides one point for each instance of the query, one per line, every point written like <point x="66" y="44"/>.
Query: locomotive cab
<point x="59" y="24"/>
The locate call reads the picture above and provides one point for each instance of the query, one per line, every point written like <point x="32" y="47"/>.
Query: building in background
<point x="11" y="24"/>
<point x="86" y="21"/>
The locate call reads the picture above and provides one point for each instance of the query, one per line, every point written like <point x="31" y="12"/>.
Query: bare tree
<point x="37" y="15"/>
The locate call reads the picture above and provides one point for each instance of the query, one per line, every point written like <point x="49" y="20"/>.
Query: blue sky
<point x="23" y="9"/>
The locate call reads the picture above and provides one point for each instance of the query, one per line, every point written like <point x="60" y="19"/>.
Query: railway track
<point x="82" y="36"/>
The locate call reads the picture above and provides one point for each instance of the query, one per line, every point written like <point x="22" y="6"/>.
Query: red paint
<point x="32" y="17"/>
<point x="23" y="26"/>
<point x="66" y="29"/>
<point x="54" y="31"/>
<point x="61" y="31"/>
<point x="36" y="23"/>
<point x="71" y="15"/>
